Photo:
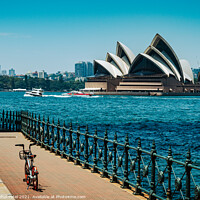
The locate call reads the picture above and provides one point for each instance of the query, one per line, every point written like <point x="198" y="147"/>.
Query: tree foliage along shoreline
<point x="28" y="83"/>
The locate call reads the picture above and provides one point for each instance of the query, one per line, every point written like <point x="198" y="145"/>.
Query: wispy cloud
<point x="6" y="34"/>
<point x="14" y="35"/>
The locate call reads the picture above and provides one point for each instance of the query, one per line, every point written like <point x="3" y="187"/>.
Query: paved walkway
<point x="58" y="179"/>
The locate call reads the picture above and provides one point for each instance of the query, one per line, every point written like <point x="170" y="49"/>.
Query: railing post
<point x="153" y="171"/>
<point x="169" y="169"/>
<point x="58" y="138"/>
<point x="3" y="119"/>
<point x="39" y="132"/>
<point x="63" y="140"/>
<point x="6" y="120"/>
<point x="13" y="121"/>
<point x="52" y="136"/>
<point x="10" y="121"/>
<point x="125" y="179"/>
<point x="35" y="128"/>
<point x="94" y="169"/>
<point x="114" y="174"/>
<point x="105" y="161"/>
<point x="138" y="179"/>
<point x="77" y="162"/>
<point x="18" y="121"/>
<point x="70" y="143"/>
<point x="25" y="123"/>
<point x="188" y="170"/>
<point x="43" y="132"/>
<point x="85" y="165"/>
<point x="31" y="126"/>
<point x="47" y="135"/>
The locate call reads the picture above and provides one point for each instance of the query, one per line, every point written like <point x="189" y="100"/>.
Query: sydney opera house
<point x="155" y="71"/>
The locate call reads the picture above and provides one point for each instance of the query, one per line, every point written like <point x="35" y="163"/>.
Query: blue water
<point x="167" y="120"/>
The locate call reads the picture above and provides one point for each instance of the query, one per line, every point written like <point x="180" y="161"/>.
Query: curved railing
<point x="145" y="172"/>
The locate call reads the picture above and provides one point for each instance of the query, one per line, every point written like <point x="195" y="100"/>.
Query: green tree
<point x="12" y="83"/>
<point x="26" y="81"/>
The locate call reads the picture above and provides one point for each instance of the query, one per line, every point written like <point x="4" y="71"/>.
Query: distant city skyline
<point x="54" y="35"/>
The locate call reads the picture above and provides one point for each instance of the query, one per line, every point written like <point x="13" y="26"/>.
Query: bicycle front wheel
<point x="26" y="173"/>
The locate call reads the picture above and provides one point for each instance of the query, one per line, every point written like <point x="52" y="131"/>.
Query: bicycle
<point x="31" y="172"/>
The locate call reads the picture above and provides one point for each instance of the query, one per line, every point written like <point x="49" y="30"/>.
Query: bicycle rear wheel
<point x="35" y="183"/>
<point x="35" y="180"/>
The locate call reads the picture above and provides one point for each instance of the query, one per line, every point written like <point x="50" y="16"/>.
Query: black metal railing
<point x="160" y="177"/>
<point x="10" y="121"/>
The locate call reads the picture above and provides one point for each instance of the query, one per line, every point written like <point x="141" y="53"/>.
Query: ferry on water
<point x="34" y="93"/>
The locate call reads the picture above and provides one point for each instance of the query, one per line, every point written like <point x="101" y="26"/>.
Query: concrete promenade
<point x="58" y="179"/>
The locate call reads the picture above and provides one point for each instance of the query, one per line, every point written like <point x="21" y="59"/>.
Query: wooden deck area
<point x="58" y="179"/>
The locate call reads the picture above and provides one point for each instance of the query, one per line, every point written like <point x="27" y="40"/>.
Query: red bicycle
<point x="31" y="172"/>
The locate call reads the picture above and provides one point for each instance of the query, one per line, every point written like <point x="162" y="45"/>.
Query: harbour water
<point x="167" y="120"/>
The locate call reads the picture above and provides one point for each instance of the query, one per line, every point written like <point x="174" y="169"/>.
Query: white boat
<point x="34" y="93"/>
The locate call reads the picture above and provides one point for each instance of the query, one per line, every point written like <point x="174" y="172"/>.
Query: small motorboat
<point x="77" y="93"/>
<point x="34" y="93"/>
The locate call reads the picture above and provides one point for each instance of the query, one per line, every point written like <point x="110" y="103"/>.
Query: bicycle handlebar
<point x="21" y="145"/>
<point x="31" y="145"/>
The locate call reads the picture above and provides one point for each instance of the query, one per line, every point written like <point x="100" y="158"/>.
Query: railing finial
<point x="170" y="151"/>
<point x="127" y="139"/>
<point x="115" y="136"/>
<point x="95" y="132"/>
<point x="139" y="142"/>
<point x="153" y="145"/>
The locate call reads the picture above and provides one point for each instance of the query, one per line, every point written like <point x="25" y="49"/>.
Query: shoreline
<point x="128" y="93"/>
<point x="146" y="94"/>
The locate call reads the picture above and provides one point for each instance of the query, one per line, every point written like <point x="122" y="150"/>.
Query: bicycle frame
<point x="31" y="172"/>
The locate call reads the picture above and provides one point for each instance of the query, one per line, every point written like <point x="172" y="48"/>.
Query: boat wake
<point x="68" y="96"/>
<point x="58" y="96"/>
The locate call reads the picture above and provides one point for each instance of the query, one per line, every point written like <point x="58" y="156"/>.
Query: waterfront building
<point x="157" y="69"/>
<point x="35" y="74"/>
<point x="20" y="76"/>
<point x="196" y="72"/>
<point x="11" y="72"/>
<point x="83" y="69"/>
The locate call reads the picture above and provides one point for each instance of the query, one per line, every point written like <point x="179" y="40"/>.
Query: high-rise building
<point x="90" y="70"/>
<point x="0" y="70"/>
<point x="11" y="72"/>
<point x="4" y="72"/>
<point x="80" y="69"/>
<point x="42" y="74"/>
<point x="83" y="69"/>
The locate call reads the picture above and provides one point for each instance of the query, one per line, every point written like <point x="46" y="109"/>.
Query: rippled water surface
<point x="167" y="120"/>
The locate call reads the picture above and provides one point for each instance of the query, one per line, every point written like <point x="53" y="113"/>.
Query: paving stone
<point x="58" y="179"/>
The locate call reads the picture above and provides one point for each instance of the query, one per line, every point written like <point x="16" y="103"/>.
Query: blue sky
<point x="55" y="34"/>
